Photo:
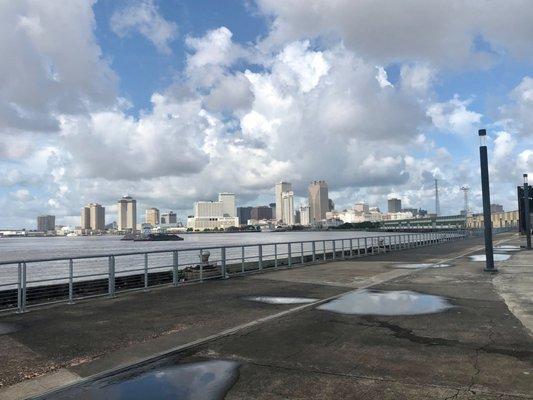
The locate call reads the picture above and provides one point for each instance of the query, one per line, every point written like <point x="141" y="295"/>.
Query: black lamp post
<point x="487" y="220"/>
<point x="527" y="217"/>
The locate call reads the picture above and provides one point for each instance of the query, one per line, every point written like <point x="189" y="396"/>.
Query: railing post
<point x="260" y="256"/>
<point x="175" y="268"/>
<point x="24" y="287"/>
<point x="366" y="246"/>
<point x="223" y="263"/>
<point x="358" y="246"/>
<point x="334" y="249"/>
<point x="242" y="259"/>
<point x="145" y="271"/>
<point x="302" y="251"/>
<point x="19" y="288"/>
<point x="111" y="278"/>
<point x="372" y="247"/>
<point x="314" y="250"/>
<point x="276" y="255"/>
<point x="70" y="281"/>
<point x="324" y="249"/>
<point x="289" y="254"/>
<point x="201" y="266"/>
<point x="351" y="248"/>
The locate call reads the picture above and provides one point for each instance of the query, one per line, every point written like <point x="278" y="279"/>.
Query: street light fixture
<point x="485" y="190"/>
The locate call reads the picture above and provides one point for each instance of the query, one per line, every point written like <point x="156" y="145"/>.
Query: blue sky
<point x="173" y="101"/>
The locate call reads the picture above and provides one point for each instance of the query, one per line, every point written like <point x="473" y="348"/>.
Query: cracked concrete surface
<point x="476" y="350"/>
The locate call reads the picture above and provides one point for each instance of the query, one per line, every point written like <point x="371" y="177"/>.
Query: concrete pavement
<point x="477" y="349"/>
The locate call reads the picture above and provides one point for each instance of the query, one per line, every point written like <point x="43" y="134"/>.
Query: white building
<point x="127" y="214"/>
<point x="304" y="216"/>
<point x="288" y="207"/>
<point x="219" y="214"/>
<point x="361" y="207"/>
<point x="281" y="187"/>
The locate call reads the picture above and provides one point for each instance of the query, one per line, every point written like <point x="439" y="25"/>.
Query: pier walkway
<point x="480" y="347"/>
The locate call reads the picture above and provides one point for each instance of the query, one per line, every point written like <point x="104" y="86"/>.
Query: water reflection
<point x="365" y="302"/>
<point x="497" y="257"/>
<point x="281" y="300"/>
<point x="195" y="381"/>
<point x="507" y="247"/>
<point x="421" y="265"/>
<point x="8" y="328"/>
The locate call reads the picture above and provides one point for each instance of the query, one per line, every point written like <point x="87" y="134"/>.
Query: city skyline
<point x="238" y="97"/>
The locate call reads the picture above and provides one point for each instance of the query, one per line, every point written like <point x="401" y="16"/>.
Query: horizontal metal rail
<point x="36" y="282"/>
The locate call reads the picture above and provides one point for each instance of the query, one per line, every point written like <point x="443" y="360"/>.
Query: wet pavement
<point x="280" y="300"/>
<point x="496" y="257"/>
<point x="461" y="340"/>
<point x="207" y="380"/>
<point x="421" y="265"/>
<point x="397" y="302"/>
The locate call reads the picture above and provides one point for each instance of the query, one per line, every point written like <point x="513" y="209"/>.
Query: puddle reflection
<point x="195" y="381"/>
<point x="281" y="300"/>
<point x="421" y="265"/>
<point x="483" y="257"/>
<point x="507" y="247"/>
<point x="365" y="302"/>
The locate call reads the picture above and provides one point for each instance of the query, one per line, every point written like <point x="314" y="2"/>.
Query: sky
<point x="175" y="101"/>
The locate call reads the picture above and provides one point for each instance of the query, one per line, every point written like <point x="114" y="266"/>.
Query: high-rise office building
<point x="228" y="204"/>
<point x="96" y="216"/>
<point x="361" y="207"/>
<point x="304" y="215"/>
<point x="244" y="214"/>
<point x="394" y="205"/>
<point x="169" y="218"/>
<point x="281" y="187"/>
<point x="46" y="223"/>
<point x="219" y="214"/>
<point x="152" y="216"/>
<point x="85" y="222"/>
<point x="261" y="212"/>
<point x="127" y="214"/>
<point x="318" y="200"/>
<point x="288" y="207"/>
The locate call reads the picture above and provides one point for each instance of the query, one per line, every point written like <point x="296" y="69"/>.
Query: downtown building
<point x="46" y="223"/>
<point x="151" y="216"/>
<point x="93" y="218"/>
<point x="169" y="218"/>
<point x="127" y="214"/>
<point x="284" y="203"/>
<point x="210" y="215"/>
<point x="318" y="201"/>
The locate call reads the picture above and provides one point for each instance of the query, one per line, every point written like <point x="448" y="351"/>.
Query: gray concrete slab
<point x="477" y="349"/>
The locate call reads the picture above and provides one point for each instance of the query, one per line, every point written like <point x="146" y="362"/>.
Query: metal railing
<point x="35" y="282"/>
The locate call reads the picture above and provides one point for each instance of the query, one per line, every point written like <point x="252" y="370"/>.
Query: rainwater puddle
<point x="281" y="300"/>
<point x="365" y="302"/>
<point x="195" y="381"/>
<point x="507" y="247"/>
<point x="8" y="328"/>
<point x="483" y="257"/>
<point x="421" y="265"/>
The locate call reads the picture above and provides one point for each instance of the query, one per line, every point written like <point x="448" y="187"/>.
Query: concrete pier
<point x="482" y="347"/>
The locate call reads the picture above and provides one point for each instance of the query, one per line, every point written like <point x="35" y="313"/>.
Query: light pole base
<point x="491" y="270"/>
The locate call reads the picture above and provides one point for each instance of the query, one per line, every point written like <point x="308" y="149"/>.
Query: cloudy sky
<point x="173" y="101"/>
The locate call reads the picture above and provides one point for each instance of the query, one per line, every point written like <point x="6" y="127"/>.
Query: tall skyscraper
<point x="288" y="207"/>
<point x="281" y="187"/>
<point x="261" y="212"/>
<point x="169" y="218"/>
<point x="394" y="205"/>
<point x="85" y="222"/>
<point x="46" y="223"/>
<point x="96" y="217"/>
<point x="318" y="200"/>
<point x="127" y="214"/>
<point x="244" y="214"/>
<point x="228" y="204"/>
<point x="304" y="215"/>
<point x="152" y="216"/>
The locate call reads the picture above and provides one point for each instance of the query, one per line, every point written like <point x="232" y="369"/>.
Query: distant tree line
<point x="367" y="225"/>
